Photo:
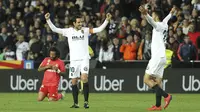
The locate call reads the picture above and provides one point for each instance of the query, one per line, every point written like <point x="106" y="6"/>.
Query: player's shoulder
<point x="47" y="58"/>
<point x="161" y="26"/>
<point x="68" y="29"/>
<point x="25" y="43"/>
<point x="85" y="28"/>
<point x="60" y="61"/>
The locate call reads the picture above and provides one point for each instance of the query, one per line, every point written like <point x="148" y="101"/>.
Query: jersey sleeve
<point x="100" y="28"/>
<point x="44" y="62"/>
<point x="167" y="18"/>
<point x="86" y="31"/>
<point x="55" y="29"/>
<point x="66" y="32"/>
<point x="151" y="21"/>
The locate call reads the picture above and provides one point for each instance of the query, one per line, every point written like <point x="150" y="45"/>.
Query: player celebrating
<point x="53" y="67"/>
<point x="79" y="53"/>
<point x="154" y="71"/>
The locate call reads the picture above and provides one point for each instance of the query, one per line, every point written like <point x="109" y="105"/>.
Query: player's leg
<point x="158" y="97"/>
<point x="42" y="93"/>
<point x="84" y="79"/>
<point x="158" y="88"/>
<point x="167" y="96"/>
<point x="41" y="96"/>
<point x="74" y="74"/>
<point x="53" y="93"/>
<point x="149" y="79"/>
<point x="75" y="92"/>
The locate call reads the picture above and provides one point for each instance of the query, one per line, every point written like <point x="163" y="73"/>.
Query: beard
<point x="53" y="58"/>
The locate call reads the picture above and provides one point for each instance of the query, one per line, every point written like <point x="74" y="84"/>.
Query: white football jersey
<point x="78" y="43"/>
<point x="77" y="39"/>
<point x="21" y="48"/>
<point x="159" y="37"/>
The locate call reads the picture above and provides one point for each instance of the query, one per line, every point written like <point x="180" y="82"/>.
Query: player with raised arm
<point x="79" y="54"/>
<point x="155" y="68"/>
<point x="54" y="68"/>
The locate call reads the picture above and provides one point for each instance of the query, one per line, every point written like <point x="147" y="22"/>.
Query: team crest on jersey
<point x="85" y="68"/>
<point x="82" y="31"/>
<point x="48" y="61"/>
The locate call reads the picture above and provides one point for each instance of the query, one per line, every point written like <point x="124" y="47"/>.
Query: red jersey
<point x="51" y="77"/>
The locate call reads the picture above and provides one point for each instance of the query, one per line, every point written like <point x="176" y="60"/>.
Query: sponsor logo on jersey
<point x="75" y="38"/>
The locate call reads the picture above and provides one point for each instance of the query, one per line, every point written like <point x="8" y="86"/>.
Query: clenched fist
<point x="108" y="16"/>
<point x="47" y="16"/>
<point x="143" y="10"/>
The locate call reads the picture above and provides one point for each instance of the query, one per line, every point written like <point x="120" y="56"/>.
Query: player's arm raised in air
<point x="103" y="26"/>
<point x="168" y="17"/>
<point x="51" y="25"/>
<point x="147" y="16"/>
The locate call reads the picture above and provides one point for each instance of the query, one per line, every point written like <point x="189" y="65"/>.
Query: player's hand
<point x="55" y="68"/>
<point x="49" y="67"/>
<point x="108" y="16"/>
<point x="173" y="10"/>
<point x="143" y="10"/>
<point x="47" y="16"/>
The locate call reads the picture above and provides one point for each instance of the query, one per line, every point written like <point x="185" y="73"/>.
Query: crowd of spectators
<point x="26" y="36"/>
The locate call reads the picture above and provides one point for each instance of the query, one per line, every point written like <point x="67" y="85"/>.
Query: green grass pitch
<point x="107" y="102"/>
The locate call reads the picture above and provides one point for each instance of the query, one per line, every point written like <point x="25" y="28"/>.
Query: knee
<point x="84" y="78"/>
<point x="145" y="80"/>
<point x="74" y="81"/>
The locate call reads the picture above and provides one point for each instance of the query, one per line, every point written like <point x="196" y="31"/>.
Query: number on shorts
<point x="72" y="70"/>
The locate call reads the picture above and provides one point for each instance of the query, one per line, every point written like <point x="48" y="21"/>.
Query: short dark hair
<point x="159" y="14"/>
<point x="54" y="49"/>
<point x="75" y="17"/>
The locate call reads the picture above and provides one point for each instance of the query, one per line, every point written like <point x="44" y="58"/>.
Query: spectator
<point x="187" y="51"/>
<point x="193" y="34"/>
<point x="106" y="51"/>
<point x="196" y="19"/>
<point x="36" y="50"/>
<point x="5" y="40"/>
<point x="2" y="13"/>
<point x="173" y="46"/>
<point x="47" y="45"/>
<point x="22" y="48"/>
<point x="144" y="51"/>
<point x="116" y="50"/>
<point x="180" y="35"/>
<point x="112" y="27"/>
<point x="129" y="49"/>
<point x="27" y="18"/>
<point x="9" y="54"/>
<point x="185" y="26"/>
<point x="63" y="47"/>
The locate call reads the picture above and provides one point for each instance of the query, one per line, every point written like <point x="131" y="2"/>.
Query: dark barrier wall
<point x="105" y="80"/>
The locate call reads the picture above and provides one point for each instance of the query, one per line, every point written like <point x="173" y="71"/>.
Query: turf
<point x="26" y="102"/>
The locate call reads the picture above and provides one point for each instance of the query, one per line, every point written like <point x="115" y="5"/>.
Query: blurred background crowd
<point x="24" y="34"/>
